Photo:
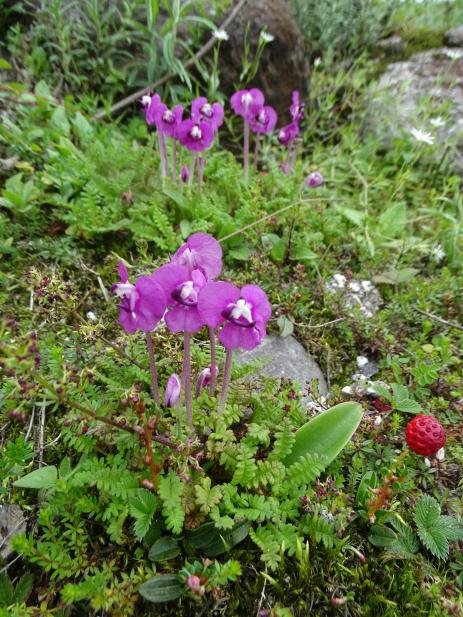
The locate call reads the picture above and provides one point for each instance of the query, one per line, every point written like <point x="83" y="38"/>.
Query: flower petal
<point x="261" y="309"/>
<point x="184" y="319"/>
<point x="235" y="337"/>
<point x="213" y="300"/>
<point x="169" y="277"/>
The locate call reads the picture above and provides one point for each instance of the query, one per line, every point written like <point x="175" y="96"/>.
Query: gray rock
<point x="362" y="294"/>
<point x="454" y="37"/>
<point x="403" y="91"/>
<point x="392" y="45"/>
<point x="286" y="358"/>
<point x="12" y="522"/>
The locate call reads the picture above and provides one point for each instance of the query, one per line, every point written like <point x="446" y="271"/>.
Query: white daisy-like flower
<point x="266" y="36"/>
<point x="220" y="35"/>
<point x="422" y="136"/>
<point x="453" y="54"/>
<point x="437" y="122"/>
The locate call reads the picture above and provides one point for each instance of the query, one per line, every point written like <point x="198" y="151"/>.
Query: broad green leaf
<point x="6" y="590"/>
<point x="4" y="64"/>
<point x="395" y="277"/>
<point x="367" y="483"/>
<point x="23" y="588"/>
<point x="393" y="220"/>
<point x="354" y="216"/>
<point x="213" y="542"/>
<point x="46" y="477"/>
<point x="59" y="121"/>
<point x="162" y="588"/>
<point x="241" y="253"/>
<point x="326" y="434"/>
<point x="382" y="536"/>
<point x="286" y="326"/>
<point x="163" y="549"/>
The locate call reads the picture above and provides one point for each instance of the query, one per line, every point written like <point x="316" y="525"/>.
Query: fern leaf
<point x="171" y="492"/>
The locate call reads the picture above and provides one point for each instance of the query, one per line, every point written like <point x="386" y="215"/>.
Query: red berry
<point x="425" y="435"/>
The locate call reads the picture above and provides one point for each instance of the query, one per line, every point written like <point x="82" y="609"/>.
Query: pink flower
<point x="244" y="313"/>
<point x="314" y="179"/>
<point x="185" y="173"/>
<point x="195" y="135"/>
<point x="142" y="305"/>
<point x="288" y="134"/>
<point x="151" y="108"/>
<point x="201" y="251"/>
<point x="166" y="120"/>
<point x="202" y="110"/>
<point x="296" y="109"/>
<point x="204" y="379"/>
<point x="262" y="119"/>
<point x="173" y="390"/>
<point x="244" y="101"/>
<point x="181" y="288"/>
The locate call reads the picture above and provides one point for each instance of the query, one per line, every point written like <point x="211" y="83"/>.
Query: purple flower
<point x="173" y="390"/>
<point x="152" y="107"/>
<point x="288" y="134"/>
<point x="204" y="379"/>
<point x="244" y="102"/>
<point x="142" y="305"/>
<point x="196" y="136"/>
<point x="263" y="120"/>
<point x="314" y="179"/>
<point x="185" y="173"/>
<point x="167" y="120"/>
<point x="181" y="288"/>
<point x="203" y="252"/>
<point x="202" y="110"/>
<point x="297" y="108"/>
<point x="244" y="312"/>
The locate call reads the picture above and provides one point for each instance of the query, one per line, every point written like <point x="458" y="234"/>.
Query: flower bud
<point x="173" y="390"/>
<point x="185" y="174"/>
<point x="204" y="379"/>
<point x="194" y="583"/>
<point x="314" y="179"/>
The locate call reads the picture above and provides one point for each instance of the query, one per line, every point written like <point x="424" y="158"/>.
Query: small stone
<point x="286" y="358"/>
<point x="362" y="294"/>
<point x="454" y="37"/>
<point x="12" y="522"/>
<point x="393" y="45"/>
<point x="361" y="361"/>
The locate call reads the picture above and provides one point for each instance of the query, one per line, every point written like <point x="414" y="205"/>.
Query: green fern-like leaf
<point x="307" y="469"/>
<point x="265" y="539"/>
<point x="171" y="491"/>
<point x="207" y="497"/>
<point x="284" y="442"/>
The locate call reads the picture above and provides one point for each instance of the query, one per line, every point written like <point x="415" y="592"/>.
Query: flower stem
<point x="256" y="153"/>
<point x="162" y="154"/>
<point x="213" y="381"/>
<point x="154" y="375"/>
<point x="200" y="172"/>
<point x="192" y="167"/>
<point x="246" y="151"/>
<point x="226" y="380"/>
<point x="187" y="378"/>
<point x="174" y="159"/>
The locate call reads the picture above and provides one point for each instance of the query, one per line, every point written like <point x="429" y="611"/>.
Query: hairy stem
<point x="256" y="152"/>
<point x="187" y="378"/>
<point x="226" y="381"/>
<point x="213" y="381"/>
<point x="192" y="167"/>
<point x="200" y="173"/>
<point x="163" y="154"/>
<point x="154" y="374"/>
<point x="246" y="151"/>
<point x="174" y="159"/>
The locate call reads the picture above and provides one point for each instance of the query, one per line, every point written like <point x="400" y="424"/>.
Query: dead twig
<point x="450" y="324"/>
<point x="41" y="434"/>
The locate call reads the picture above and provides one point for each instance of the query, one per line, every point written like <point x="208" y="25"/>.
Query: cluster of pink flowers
<point x="195" y="133"/>
<point x="186" y="294"/>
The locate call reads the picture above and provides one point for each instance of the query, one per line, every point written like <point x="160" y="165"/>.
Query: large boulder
<point x="284" y="65"/>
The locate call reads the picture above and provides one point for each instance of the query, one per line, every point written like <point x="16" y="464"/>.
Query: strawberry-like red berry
<point x="425" y="435"/>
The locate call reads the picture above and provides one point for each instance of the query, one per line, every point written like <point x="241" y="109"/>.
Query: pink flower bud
<point x="204" y="379"/>
<point x="185" y="174"/>
<point x="173" y="389"/>
<point x="194" y="584"/>
<point x="314" y="179"/>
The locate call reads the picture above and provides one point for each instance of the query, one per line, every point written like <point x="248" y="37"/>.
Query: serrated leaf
<point x="23" y="588"/>
<point x="164" y="548"/>
<point x="142" y="507"/>
<point x="453" y="528"/>
<point x="162" y="588"/>
<point x="430" y="529"/>
<point x="43" y="478"/>
<point x="6" y="590"/>
<point x="427" y="512"/>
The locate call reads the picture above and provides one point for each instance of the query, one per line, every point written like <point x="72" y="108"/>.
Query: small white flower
<point x="378" y="420"/>
<point x="453" y="54"/>
<point x="438" y="253"/>
<point x="422" y="136"/>
<point x="266" y="37"/>
<point x="91" y="315"/>
<point x="440" y="455"/>
<point x="317" y="61"/>
<point x="427" y="462"/>
<point x="437" y="122"/>
<point x="220" y="35"/>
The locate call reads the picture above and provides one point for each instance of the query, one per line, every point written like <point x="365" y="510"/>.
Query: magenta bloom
<point x="196" y="136"/>
<point x="244" y="101"/>
<point x="142" y="305"/>
<point x="314" y="179"/>
<point x="204" y="379"/>
<point x="167" y="120"/>
<point x="202" y="110"/>
<point x="288" y="134"/>
<point x="296" y="109"/>
<point x="185" y="173"/>
<point x="181" y="288"/>
<point x="200" y="252"/>
<point x="173" y="390"/>
<point x="244" y="313"/>
<point x="263" y="120"/>
<point x="151" y="108"/>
